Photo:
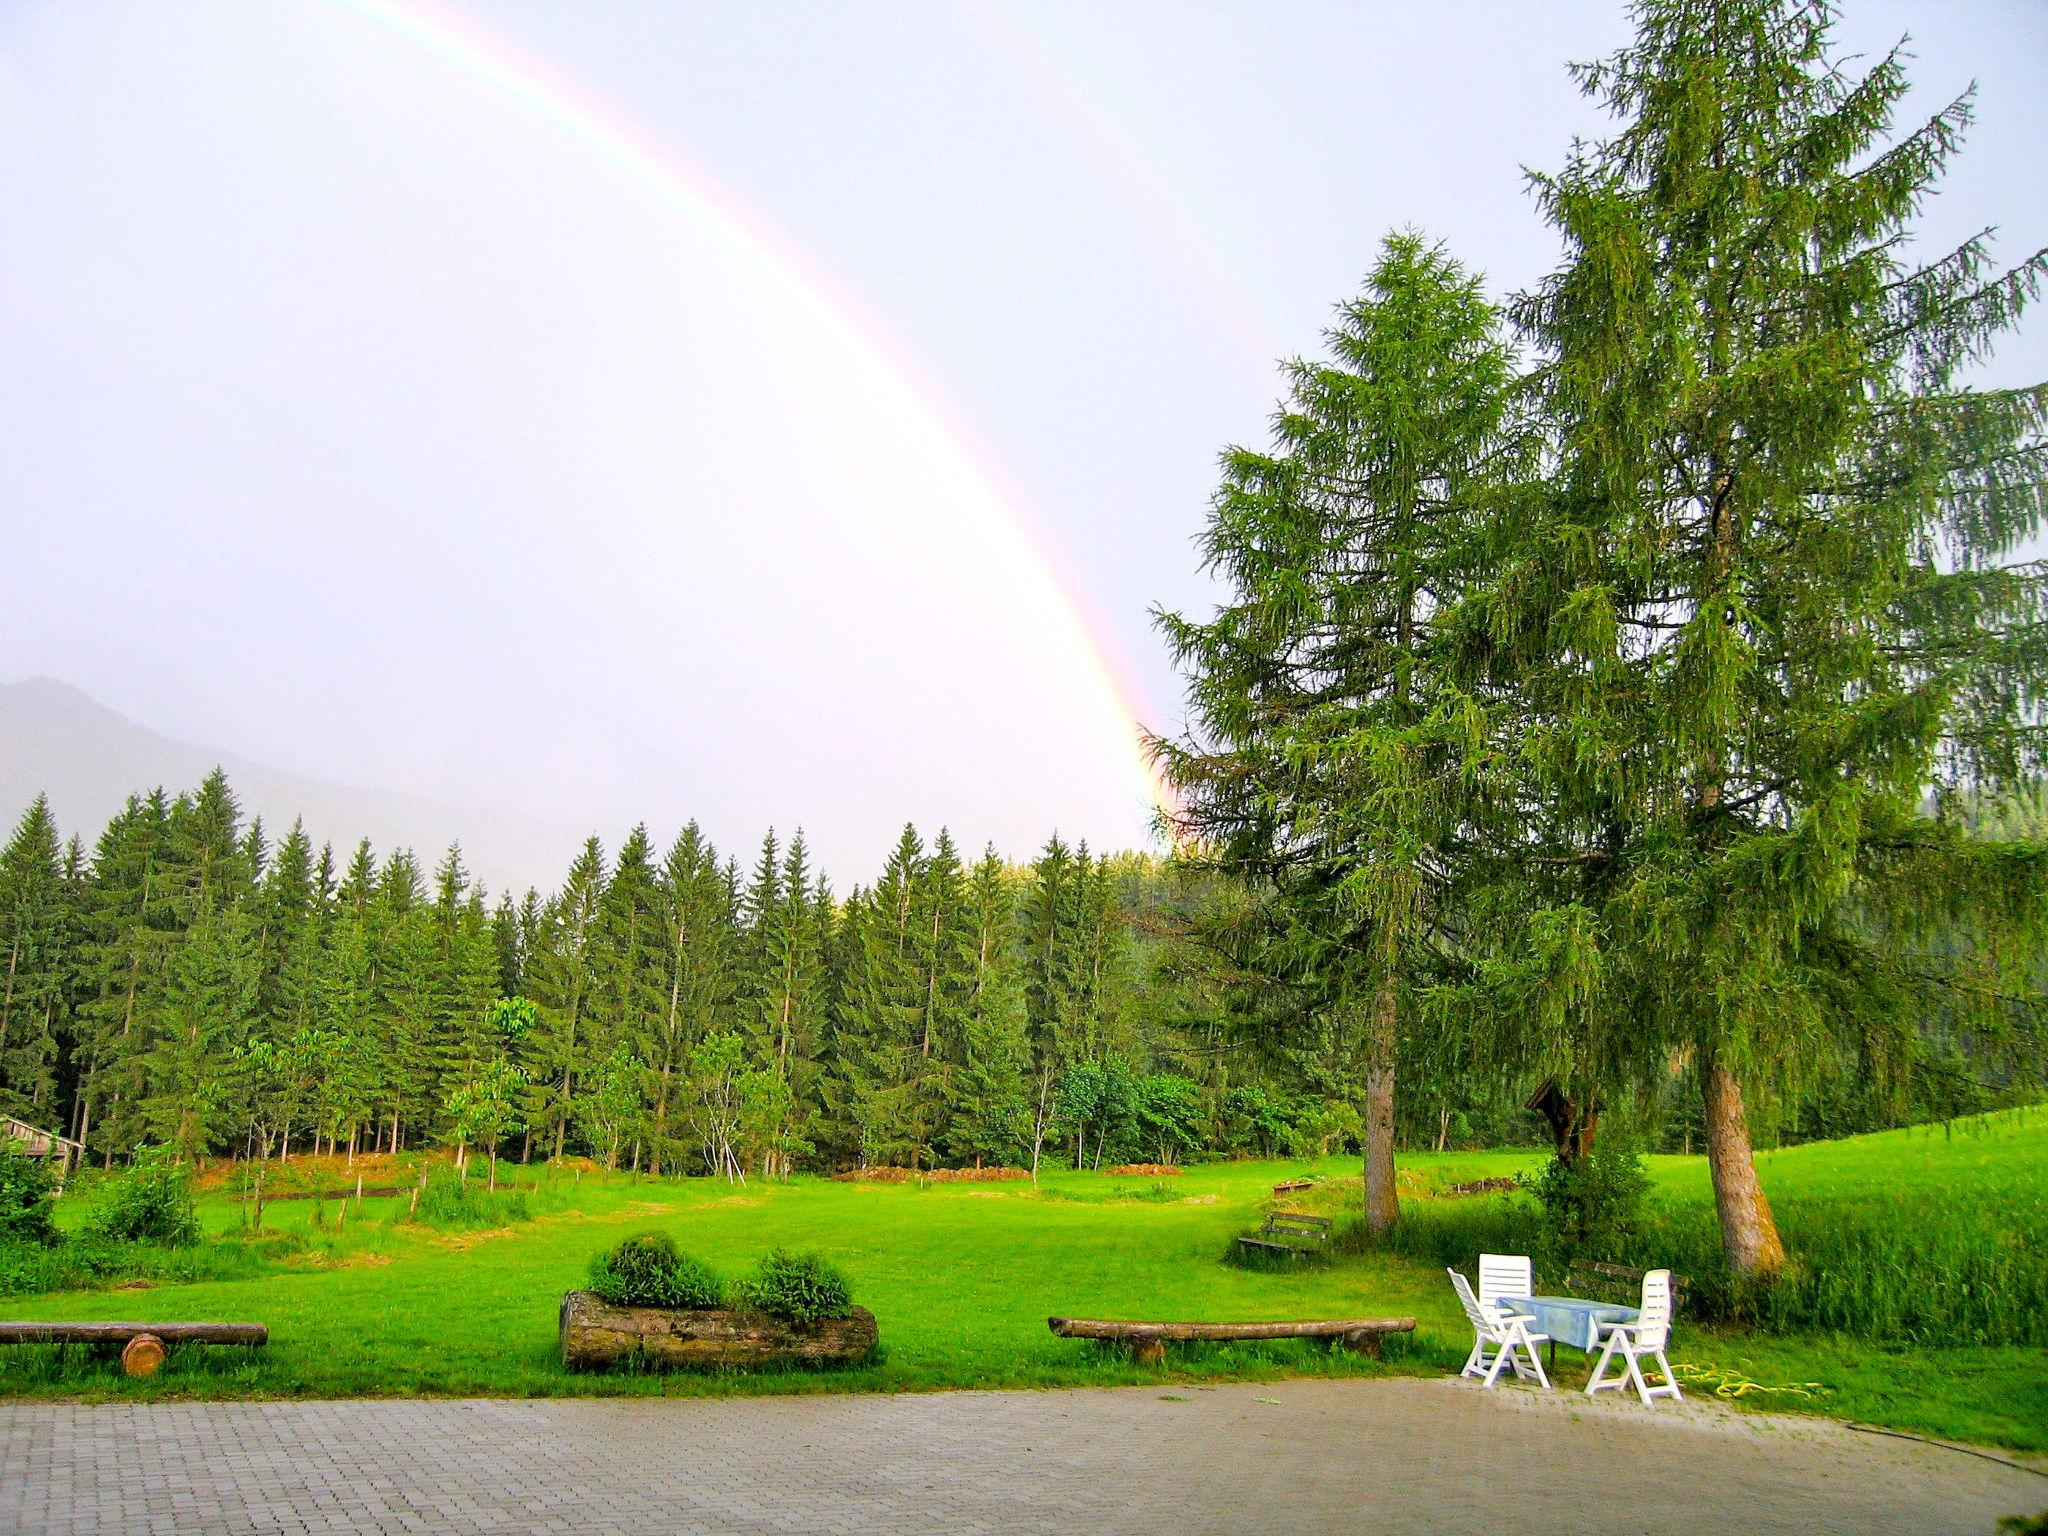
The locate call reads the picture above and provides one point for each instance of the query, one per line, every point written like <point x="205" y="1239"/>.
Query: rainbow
<point x="632" y="151"/>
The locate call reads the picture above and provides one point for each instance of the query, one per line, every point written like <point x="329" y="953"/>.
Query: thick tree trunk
<point x="1749" y="1235"/>
<point x="1382" y="1201"/>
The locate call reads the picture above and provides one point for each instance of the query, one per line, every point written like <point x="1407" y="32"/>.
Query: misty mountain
<point x="60" y="741"/>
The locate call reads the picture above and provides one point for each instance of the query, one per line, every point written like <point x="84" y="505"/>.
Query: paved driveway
<point x="1294" y="1457"/>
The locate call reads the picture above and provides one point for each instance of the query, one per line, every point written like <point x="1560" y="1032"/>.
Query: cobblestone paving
<point x="1294" y="1457"/>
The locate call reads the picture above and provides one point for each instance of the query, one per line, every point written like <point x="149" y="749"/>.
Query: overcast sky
<point x="362" y="411"/>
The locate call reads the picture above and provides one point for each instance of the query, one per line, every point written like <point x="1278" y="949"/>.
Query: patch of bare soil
<point x="1198" y="1200"/>
<point x="136" y="1285"/>
<point x="884" y="1174"/>
<point x="462" y="1242"/>
<point x="1143" y="1170"/>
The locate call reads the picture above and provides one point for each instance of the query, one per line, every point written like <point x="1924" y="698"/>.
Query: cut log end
<point x="143" y="1355"/>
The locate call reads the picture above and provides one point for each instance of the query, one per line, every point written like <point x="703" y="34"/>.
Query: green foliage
<point x="151" y="1203"/>
<point x="27" y="1192"/>
<point x="448" y="1199"/>
<point x="798" y="1288"/>
<point x="1593" y="1205"/>
<point x="647" y="1271"/>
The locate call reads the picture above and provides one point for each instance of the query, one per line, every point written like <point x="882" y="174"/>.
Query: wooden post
<point x="144" y="1353"/>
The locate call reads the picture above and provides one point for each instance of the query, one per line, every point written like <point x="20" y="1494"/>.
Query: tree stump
<point x="596" y="1335"/>
<point x="143" y="1354"/>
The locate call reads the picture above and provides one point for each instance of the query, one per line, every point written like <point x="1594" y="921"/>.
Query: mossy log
<point x="597" y="1335"/>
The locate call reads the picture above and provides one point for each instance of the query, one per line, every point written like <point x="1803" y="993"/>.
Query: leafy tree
<point x="486" y="1109"/>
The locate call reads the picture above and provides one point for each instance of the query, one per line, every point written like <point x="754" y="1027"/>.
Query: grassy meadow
<point x="962" y="1276"/>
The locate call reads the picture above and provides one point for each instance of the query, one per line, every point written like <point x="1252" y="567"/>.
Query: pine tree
<point x="35" y="924"/>
<point x="990" y="1114"/>
<point x="1772" y="596"/>
<point x="191" y="1064"/>
<point x="127" y="928"/>
<point x="560" y="987"/>
<point x="698" y="923"/>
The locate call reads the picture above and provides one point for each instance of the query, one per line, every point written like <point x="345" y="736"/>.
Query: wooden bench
<point x="1293" y="1186"/>
<point x="143" y="1343"/>
<point x="1614" y="1282"/>
<point x="1291" y="1233"/>
<point x="1148" y="1340"/>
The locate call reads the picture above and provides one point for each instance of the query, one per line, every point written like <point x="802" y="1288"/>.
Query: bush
<point x="797" y="1287"/>
<point x="152" y="1203"/>
<point x="26" y="1193"/>
<point x="647" y="1271"/>
<point x="447" y="1199"/>
<point x="1594" y="1204"/>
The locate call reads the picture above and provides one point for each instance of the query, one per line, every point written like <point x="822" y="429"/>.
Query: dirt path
<point x="1296" y="1457"/>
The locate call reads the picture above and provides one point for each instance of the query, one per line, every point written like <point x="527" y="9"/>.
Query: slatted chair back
<point x="1504" y="1274"/>
<point x="1484" y="1320"/>
<point x="1653" y="1321"/>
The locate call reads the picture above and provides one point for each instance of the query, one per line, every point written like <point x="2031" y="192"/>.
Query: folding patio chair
<point x="1643" y="1338"/>
<point x="1508" y="1332"/>
<point x="1504" y="1274"/>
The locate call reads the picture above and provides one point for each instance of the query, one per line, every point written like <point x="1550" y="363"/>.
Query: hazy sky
<point x="365" y="410"/>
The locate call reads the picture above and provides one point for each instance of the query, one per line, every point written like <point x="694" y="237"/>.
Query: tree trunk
<point x="1749" y="1235"/>
<point x="1382" y="1201"/>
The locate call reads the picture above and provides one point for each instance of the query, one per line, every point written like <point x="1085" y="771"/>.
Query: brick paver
<point x="1295" y="1457"/>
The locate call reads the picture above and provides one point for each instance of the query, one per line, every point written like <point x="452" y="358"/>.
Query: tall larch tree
<point x="1774" y="605"/>
<point x="1330" y="731"/>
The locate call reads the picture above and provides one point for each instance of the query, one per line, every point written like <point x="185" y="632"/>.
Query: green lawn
<point x="963" y="1276"/>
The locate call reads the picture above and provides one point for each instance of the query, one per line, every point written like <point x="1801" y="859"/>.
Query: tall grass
<point x="1921" y="1266"/>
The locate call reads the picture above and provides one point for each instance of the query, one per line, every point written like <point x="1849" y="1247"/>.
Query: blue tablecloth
<point x="1567" y="1319"/>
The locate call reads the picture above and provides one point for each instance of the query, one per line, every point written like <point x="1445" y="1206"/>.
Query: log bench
<point x="1290" y="1233"/>
<point x="143" y="1344"/>
<point x="1148" y="1340"/>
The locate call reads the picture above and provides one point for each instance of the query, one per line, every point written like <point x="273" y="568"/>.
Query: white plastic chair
<point x="1505" y="1274"/>
<point x="1507" y="1332"/>
<point x="1642" y="1339"/>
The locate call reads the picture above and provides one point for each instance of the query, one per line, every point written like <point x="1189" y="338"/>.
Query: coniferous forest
<point x="189" y="981"/>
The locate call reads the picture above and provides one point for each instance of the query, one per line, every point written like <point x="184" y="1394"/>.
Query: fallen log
<point x="1148" y="1340"/>
<point x="596" y="1335"/>
<point x="121" y="1333"/>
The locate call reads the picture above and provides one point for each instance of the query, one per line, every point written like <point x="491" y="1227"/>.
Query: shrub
<point x="447" y="1199"/>
<point x="26" y="1192"/>
<point x="152" y="1203"/>
<point x="797" y="1287"/>
<point x="647" y="1271"/>
<point x="1595" y="1203"/>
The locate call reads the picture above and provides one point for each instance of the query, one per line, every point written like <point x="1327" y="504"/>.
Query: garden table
<point x="1568" y="1319"/>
